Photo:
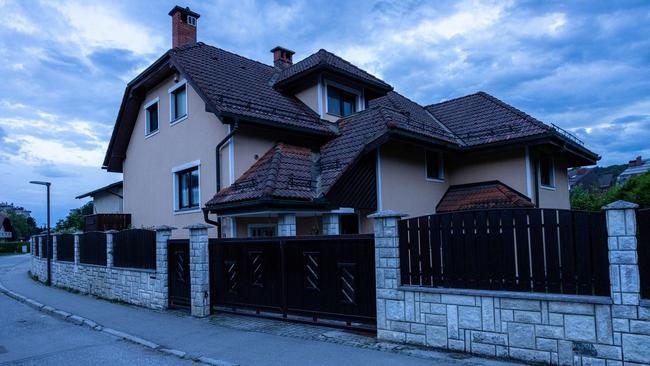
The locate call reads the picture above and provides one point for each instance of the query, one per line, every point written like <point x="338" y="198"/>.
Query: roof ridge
<point x="201" y="44"/>
<point x="453" y="99"/>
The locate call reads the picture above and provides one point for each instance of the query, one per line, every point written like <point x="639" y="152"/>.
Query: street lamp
<point x="47" y="240"/>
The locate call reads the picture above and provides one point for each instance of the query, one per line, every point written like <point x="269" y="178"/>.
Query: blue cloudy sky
<point x="64" y="65"/>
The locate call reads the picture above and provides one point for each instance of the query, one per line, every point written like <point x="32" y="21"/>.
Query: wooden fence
<point x="532" y="250"/>
<point x="135" y="248"/>
<point x="65" y="247"/>
<point x="643" y="225"/>
<point x="92" y="248"/>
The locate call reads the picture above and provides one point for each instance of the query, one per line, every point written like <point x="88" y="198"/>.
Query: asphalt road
<point x="29" y="337"/>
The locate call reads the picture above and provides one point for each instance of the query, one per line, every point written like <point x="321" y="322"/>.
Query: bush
<point x="13" y="247"/>
<point x="636" y="190"/>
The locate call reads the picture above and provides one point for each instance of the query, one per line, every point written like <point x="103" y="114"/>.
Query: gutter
<point x="217" y="165"/>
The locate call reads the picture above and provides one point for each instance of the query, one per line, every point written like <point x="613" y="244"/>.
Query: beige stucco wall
<point x="509" y="167"/>
<point x="246" y="147"/>
<point x="309" y="96"/>
<point x="404" y="186"/>
<point x="104" y="202"/>
<point x="148" y="178"/>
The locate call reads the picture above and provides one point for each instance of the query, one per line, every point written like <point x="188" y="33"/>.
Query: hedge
<point x="13" y="246"/>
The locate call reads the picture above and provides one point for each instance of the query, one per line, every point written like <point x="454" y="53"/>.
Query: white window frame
<point x="360" y="100"/>
<point x="191" y="20"/>
<point x="441" y="163"/>
<point x="250" y="228"/>
<point x="147" y="132"/>
<point x="539" y="174"/>
<point x="175" y="209"/>
<point x="170" y="91"/>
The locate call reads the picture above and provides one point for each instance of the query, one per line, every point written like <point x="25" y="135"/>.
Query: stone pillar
<point x="331" y="225"/>
<point x="199" y="270"/>
<point x="55" y="240"/>
<point x="287" y="224"/>
<point x="387" y="270"/>
<point x="163" y="233"/>
<point x="623" y="258"/>
<point x="40" y="246"/>
<point x="76" y="248"/>
<point x="109" y="248"/>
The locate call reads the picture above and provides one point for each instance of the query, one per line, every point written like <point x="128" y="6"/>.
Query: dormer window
<point x="340" y="103"/>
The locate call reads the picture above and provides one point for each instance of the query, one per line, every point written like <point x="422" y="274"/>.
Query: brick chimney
<point x="282" y="57"/>
<point x="636" y="162"/>
<point x="184" y="22"/>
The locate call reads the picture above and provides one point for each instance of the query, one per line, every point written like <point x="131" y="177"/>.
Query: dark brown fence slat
<point x="447" y="255"/>
<point x="457" y="248"/>
<point x="483" y="250"/>
<point x="537" y="250"/>
<point x="425" y="250"/>
<point x="583" y="252"/>
<point x="494" y="256"/>
<point x="414" y="250"/>
<point x="471" y="259"/>
<point x="435" y="243"/>
<point x="523" y="252"/>
<point x="599" y="252"/>
<point x="567" y="252"/>
<point x="643" y="245"/>
<point x="509" y="262"/>
<point x="404" y="245"/>
<point x="551" y="250"/>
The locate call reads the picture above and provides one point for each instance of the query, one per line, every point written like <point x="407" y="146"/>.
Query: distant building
<point x="582" y="176"/>
<point x="6" y="230"/>
<point x="634" y="167"/>
<point x="5" y="207"/>
<point x="106" y="200"/>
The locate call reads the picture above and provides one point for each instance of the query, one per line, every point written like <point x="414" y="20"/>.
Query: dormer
<point x="329" y="85"/>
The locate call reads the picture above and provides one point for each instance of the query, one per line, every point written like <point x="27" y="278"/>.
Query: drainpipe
<point x="217" y="154"/>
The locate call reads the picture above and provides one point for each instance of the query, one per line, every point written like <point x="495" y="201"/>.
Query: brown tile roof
<point x="484" y="195"/>
<point x="324" y="59"/>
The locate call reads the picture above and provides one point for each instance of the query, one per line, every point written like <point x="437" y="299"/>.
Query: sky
<point x="584" y="66"/>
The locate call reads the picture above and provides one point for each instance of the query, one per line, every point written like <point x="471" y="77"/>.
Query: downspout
<point x="217" y="154"/>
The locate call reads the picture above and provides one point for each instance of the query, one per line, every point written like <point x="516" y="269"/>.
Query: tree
<point x="636" y="189"/>
<point x="75" y="219"/>
<point x="24" y="226"/>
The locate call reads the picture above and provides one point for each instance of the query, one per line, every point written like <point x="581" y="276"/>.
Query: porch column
<point x="387" y="267"/>
<point x="331" y="224"/>
<point x="287" y="224"/>
<point x="623" y="258"/>
<point x="199" y="270"/>
<point x="161" y="295"/>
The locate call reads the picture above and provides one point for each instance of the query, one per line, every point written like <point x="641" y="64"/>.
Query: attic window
<point x="191" y="20"/>
<point x="151" y="117"/>
<point x="546" y="171"/>
<point x="178" y="102"/>
<point x="340" y="103"/>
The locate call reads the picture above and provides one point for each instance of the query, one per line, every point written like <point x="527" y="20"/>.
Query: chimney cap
<point x="279" y="48"/>
<point x="186" y="10"/>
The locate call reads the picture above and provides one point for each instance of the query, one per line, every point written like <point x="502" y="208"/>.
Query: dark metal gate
<point x="643" y="225"/>
<point x="178" y="252"/>
<point x="307" y="278"/>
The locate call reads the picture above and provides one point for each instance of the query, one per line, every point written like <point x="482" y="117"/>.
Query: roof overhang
<point x="265" y="205"/>
<point x="102" y="189"/>
<point x="319" y="68"/>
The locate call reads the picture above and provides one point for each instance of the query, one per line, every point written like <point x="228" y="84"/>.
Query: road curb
<point x="88" y="323"/>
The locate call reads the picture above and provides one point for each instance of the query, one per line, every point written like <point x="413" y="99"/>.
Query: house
<point x="106" y="200"/>
<point x="5" y="207"/>
<point x="634" y="167"/>
<point x="6" y="230"/>
<point x="313" y="147"/>
<point x="582" y="176"/>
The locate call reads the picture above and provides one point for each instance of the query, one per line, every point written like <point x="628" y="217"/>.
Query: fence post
<point x="55" y="241"/>
<point x="76" y="248"/>
<point x="331" y="224"/>
<point x="387" y="267"/>
<point x="163" y="233"/>
<point x="40" y="246"/>
<point x="623" y="258"/>
<point x="109" y="248"/>
<point x="199" y="270"/>
<point x="287" y="225"/>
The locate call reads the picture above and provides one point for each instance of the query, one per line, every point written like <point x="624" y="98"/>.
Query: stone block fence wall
<point x="143" y="287"/>
<point x="533" y="327"/>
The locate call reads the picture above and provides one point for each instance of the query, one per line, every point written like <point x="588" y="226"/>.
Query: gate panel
<point x="178" y="252"/>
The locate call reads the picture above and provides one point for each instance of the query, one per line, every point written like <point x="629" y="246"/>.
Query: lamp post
<point x="48" y="282"/>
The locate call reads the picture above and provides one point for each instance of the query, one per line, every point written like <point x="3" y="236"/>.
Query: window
<point x="546" y="171"/>
<point x="259" y="230"/>
<point x="340" y="103"/>
<point x="178" y="103"/>
<point x="187" y="186"/>
<point x="191" y="20"/>
<point x="433" y="161"/>
<point x="151" y="117"/>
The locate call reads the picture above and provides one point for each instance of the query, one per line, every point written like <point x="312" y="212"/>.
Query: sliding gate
<point x="311" y="277"/>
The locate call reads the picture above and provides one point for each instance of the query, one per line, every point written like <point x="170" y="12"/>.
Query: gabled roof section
<point x="481" y="119"/>
<point x="325" y="60"/>
<point x="479" y="196"/>
<point x="283" y="172"/>
<point x="111" y="187"/>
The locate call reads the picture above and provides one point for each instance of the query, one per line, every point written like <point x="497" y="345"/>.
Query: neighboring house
<point x="313" y="147"/>
<point x="106" y="200"/>
<point x="6" y="230"/>
<point x="4" y="207"/>
<point x="634" y="167"/>
<point x="584" y="177"/>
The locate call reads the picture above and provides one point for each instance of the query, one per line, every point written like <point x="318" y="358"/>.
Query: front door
<point x="179" y="273"/>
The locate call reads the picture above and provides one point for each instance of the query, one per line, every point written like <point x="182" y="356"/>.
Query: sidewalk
<point x="233" y="339"/>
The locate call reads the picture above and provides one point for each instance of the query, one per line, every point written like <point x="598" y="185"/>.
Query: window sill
<point x="548" y="188"/>
<point x="150" y="134"/>
<point x="187" y="211"/>
<point x="178" y="120"/>
<point x="436" y="180"/>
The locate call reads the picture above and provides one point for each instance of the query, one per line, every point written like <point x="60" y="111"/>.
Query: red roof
<point x="484" y="195"/>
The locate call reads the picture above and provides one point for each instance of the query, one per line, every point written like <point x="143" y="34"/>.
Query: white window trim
<point x="441" y="162"/>
<point x="148" y="134"/>
<point x="553" y="185"/>
<point x="187" y="98"/>
<point x="250" y="228"/>
<point x="360" y="102"/>
<point x="176" y="169"/>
